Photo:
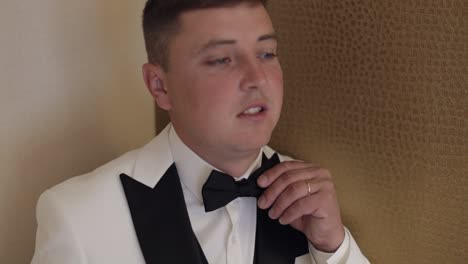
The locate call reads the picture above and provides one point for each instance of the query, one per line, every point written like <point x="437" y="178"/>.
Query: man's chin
<point x="255" y="143"/>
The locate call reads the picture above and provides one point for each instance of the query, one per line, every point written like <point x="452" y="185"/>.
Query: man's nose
<point x="254" y="76"/>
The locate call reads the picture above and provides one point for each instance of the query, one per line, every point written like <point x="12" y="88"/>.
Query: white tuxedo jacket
<point x="87" y="219"/>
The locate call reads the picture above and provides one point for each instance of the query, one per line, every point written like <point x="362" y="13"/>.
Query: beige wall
<point x="71" y="98"/>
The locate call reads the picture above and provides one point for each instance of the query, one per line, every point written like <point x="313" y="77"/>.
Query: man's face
<point x="224" y="83"/>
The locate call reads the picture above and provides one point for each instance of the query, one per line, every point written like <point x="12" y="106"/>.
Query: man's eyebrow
<point x="270" y="36"/>
<point x="220" y="42"/>
<point x="215" y="43"/>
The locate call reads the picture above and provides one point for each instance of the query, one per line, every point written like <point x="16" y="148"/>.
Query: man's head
<point x="213" y="67"/>
<point x="161" y="22"/>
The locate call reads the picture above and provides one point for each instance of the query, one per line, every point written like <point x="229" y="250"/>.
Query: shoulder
<point x="152" y="159"/>
<point x="103" y="188"/>
<point x="80" y="216"/>
<point x="101" y="182"/>
<point x="100" y="175"/>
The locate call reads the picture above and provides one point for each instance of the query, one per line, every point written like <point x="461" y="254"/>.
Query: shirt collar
<point x="193" y="170"/>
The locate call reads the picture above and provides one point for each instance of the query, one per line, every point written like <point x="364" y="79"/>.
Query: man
<point x="190" y="195"/>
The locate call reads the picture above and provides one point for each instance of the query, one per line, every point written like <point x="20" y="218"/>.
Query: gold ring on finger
<point x="309" y="189"/>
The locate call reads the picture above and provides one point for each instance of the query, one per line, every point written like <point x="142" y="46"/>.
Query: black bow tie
<point x="220" y="188"/>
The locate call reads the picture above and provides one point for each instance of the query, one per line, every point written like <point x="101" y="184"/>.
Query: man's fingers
<point x="287" y="178"/>
<point x="294" y="192"/>
<point x="272" y="174"/>
<point x="309" y="205"/>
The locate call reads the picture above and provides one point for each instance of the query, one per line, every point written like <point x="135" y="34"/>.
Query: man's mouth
<point x="254" y="110"/>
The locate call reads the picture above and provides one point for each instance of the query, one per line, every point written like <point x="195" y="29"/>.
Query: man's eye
<point x="220" y="61"/>
<point x="268" y="55"/>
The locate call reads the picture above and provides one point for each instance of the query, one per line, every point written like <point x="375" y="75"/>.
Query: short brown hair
<point x="160" y="22"/>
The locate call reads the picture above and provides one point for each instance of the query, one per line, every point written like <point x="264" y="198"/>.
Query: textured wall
<point x="71" y="98"/>
<point x="378" y="92"/>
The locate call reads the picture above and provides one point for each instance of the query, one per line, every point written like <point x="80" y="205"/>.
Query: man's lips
<point x="253" y="109"/>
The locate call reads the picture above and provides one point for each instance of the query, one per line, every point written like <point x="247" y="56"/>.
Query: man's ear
<point x="154" y="77"/>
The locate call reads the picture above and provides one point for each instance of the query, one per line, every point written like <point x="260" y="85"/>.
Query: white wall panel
<point x="71" y="98"/>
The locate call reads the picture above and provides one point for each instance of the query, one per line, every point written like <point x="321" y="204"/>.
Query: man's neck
<point x="233" y="163"/>
<point x="235" y="167"/>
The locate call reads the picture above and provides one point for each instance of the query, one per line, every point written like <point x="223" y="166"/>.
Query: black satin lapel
<point x="161" y="220"/>
<point x="275" y="243"/>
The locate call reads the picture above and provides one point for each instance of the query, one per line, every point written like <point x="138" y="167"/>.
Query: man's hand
<point x="303" y="196"/>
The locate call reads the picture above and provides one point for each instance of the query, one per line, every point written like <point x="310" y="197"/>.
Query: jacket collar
<point x="153" y="159"/>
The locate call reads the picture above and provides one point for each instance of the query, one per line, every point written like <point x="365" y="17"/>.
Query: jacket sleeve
<point x="56" y="243"/>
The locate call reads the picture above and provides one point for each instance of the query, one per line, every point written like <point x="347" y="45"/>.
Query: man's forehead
<point x="226" y="25"/>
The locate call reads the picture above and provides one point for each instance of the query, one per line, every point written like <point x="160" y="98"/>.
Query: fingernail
<point x="262" y="181"/>
<point x="261" y="202"/>
<point x="281" y="221"/>
<point x="271" y="214"/>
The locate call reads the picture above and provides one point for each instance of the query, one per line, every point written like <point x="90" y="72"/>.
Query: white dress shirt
<point x="227" y="235"/>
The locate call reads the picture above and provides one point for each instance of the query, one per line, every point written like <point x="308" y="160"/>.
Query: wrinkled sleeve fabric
<point x="56" y="242"/>
<point x="347" y="253"/>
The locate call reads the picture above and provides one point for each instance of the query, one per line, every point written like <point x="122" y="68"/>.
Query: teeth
<point x="253" y="110"/>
